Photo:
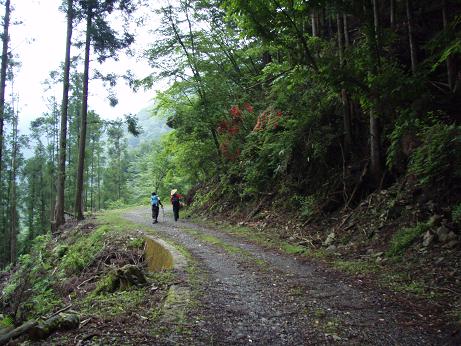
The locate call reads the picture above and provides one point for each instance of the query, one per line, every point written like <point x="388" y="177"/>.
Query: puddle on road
<point x="158" y="257"/>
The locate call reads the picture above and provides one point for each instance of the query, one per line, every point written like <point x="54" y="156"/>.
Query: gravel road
<point x="252" y="295"/>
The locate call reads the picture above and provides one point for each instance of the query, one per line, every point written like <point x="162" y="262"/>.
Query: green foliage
<point x="107" y="284"/>
<point x="407" y="124"/>
<point x="456" y="213"/>
<point x="84" y="250"/>
<point x="60" y="250"/>
<point x="30" y="290"/>
<point x="44" y="298"/>
<point x="6" y="321"/>
<point x="136" y="243"/>
<point x="294" y="249"/>
<point x="438" y="159"/>
<point x="403" y="238"/>
<point x="404" y="282"/>
<point x="446" y="43"/>
<point x="305" y="204"/>
<point x="356" y="267"/>
<point x="113" y="304"/>
<point x="117" y="204"/>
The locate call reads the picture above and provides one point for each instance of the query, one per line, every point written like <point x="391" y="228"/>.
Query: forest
<point x="332" y="125"/>
<point x="307" y="106"/>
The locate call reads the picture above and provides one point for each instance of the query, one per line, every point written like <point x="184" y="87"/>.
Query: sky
<point x="39" y="43"/>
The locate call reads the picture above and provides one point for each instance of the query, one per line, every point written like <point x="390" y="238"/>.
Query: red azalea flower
<point x="235" y="112"/>
<point x="248" y="107"/>
<point x="222" y="127"/>
<point x="234" y="130"/>
<point x="279" y="114"/>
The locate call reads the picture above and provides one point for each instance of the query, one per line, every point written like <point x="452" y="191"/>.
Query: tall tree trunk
<point x="61" y="179"/>
<point x="99" y="179"/>
<point x="411" y="38"/>
<point x="339" y="24"/>
<point x="83" y="125"/>
<point x="43" y="217"/>
<point x="392" y="14"/>
<point x="451" y="72"/>
<point x="344" y="96"/>
<point x="314" y="23"/>
<point x="92" y="174"/>
<point x="13" y="207"/>
<point x="3" y="68"/>
<point x="31" y="210"/>
<point x="376" y="161"/>
<point x="347" y="40"/>
<point x="347" y="123"/>
<point x="377" y="27"/>
<point x="119" y="170"/>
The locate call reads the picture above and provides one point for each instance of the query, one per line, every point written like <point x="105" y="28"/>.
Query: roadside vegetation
<point x="96" y="270"/>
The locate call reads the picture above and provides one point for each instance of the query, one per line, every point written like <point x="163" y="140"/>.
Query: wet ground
<point x="247" y="294"/>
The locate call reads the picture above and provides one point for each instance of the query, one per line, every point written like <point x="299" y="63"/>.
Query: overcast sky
<point x="39" y="43"/>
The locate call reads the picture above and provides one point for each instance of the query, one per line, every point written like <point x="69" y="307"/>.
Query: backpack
<point x="154" y="200"/>
<point x="175" y="200"/>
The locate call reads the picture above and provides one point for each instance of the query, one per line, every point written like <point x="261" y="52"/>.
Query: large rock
<point x="330" y="239"/>
<point x="428" y="238"/>
<point x="331" y="248"/>
<point x="444" y="235"/>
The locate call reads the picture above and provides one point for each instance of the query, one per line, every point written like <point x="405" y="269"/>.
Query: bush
<point x="439" y="157"/>
<point x="136" y="243"/>
<point x="118" y="204"/>
<point x="403" y="238"/>
<point x="29" y="292"/>
<point x="305" y="204"/>
<point x="6" y="322"/>
<point x="83" y="251"/>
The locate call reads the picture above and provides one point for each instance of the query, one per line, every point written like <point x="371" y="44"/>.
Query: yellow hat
<point x="173" y="191"/>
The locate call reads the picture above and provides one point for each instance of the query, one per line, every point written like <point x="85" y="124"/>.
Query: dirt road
<point x="251" y="295"/>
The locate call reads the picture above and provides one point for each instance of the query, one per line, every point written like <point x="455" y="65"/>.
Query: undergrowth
<point x="82" y="252"/>
<point x="113" y="304"/>
<point x="403" y="238"/>
<point x="45" y="278"/>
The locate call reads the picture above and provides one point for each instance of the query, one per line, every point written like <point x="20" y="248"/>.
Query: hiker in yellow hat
<point x="175" y="202"/>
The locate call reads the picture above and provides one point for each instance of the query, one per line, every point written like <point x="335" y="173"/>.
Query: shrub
<point x="306" y="204"/>
<point x="403" y="238"/>
<point x="118" y="204"/>
<point x="6" y="321"/>
<point x="136" y="243"/>
<point x="439" y="157"/>
<point x="84" y="250"/>
<point x="29" y="292"/>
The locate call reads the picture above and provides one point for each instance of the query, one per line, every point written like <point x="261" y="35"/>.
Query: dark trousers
<point x="176" y="212"/>
<point x="155" y="210"/>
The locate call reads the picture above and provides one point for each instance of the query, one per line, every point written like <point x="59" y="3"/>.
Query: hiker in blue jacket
<point x="156" y="204"/>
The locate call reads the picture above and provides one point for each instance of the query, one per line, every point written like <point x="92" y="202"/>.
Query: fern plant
<point x="439" y="157"/>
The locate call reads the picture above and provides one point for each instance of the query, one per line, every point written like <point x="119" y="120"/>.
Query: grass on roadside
<point x="389" y="277"/>
<point x="226" y="247"/>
